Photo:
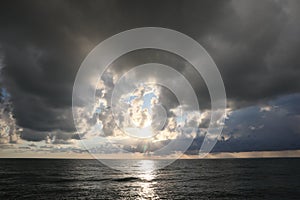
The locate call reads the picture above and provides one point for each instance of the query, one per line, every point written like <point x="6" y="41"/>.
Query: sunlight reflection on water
<point x="140" y="176"/>
<point x="147" y="175"/>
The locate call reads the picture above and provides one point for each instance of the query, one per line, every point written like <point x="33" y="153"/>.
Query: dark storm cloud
<point x="272" y="128"/>
<point x="256" y="50"/>
<point x="254" y="129"/>
<point x="136" y="58"/>
<point x="254" y="44"/>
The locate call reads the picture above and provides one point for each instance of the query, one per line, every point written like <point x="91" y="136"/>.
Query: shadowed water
<point x="184" y="179"/>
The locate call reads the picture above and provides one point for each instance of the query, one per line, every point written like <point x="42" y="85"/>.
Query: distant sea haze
<point x="272" y="178"/>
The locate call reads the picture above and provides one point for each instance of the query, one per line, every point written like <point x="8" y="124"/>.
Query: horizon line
<point x="220" y="155"/>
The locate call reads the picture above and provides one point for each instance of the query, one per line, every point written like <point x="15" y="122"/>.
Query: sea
<point x="265" y="178"/>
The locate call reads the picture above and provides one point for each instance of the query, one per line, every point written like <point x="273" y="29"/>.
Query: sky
<point x="255" y="45"/>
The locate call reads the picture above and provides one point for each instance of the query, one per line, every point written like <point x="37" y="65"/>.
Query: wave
<point x="126" y="179"/>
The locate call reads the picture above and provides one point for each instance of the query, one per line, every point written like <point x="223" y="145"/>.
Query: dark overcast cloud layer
<point x="271" y="128"/>
<point x="255" y="44"/>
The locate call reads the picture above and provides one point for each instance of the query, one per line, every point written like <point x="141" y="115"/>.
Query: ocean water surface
<point x="184" y="179"/>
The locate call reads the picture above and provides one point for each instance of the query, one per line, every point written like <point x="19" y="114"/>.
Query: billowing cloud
<point x="9" y="131"/>
<point x="255" y="45"/>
